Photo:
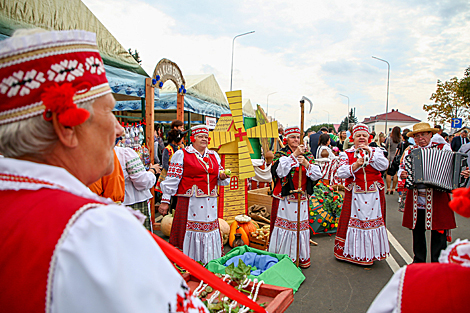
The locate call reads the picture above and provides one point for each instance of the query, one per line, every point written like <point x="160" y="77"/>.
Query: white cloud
<point x="313" y="48"/>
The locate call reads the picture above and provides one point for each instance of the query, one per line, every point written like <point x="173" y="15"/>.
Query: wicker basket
<point x="260" y="196"/>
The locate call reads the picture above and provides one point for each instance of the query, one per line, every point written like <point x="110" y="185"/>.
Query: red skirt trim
<point x="178" y="228"/>
<point x="274" y="208"/>
<point x="343" y="228"/>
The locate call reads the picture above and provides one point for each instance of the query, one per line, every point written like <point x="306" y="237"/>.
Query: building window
<point x="373" y="128"/>
<point x="234" y="183"/>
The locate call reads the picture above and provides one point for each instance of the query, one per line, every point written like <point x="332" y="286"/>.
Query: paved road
<point x="335" y="286"/>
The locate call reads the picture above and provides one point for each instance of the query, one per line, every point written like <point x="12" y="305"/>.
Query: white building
<point x="377" y="123"/>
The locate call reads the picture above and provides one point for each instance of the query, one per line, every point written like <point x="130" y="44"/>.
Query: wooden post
<point x="180" y="107"/>
<point x="149" y="128"/>
<point x="299" y="187"/>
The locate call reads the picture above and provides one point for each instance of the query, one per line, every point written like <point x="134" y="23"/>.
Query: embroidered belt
<point x="289" y="225"/>
<point x="366" y="225"/>
<point x="202" y="226"/>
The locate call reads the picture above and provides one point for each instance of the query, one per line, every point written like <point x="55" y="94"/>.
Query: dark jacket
<point x="313" y="141"/>
<point x="457" y="143"/>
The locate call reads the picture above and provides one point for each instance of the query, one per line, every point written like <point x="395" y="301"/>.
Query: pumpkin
<point x="224" y="230"/>
<point x="165" y="225"/>
<point x="249" y="227"/>
<point x="246" y="223"/>
<point x="236" y="229"/>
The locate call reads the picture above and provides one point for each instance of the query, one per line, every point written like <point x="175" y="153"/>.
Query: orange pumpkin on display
<point x="235" y="228"/>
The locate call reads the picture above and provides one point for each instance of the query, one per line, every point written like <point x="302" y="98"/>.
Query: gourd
<point x="166" y="223"/>
<point x="236" y="229"/>
<point x="224" y="230"/>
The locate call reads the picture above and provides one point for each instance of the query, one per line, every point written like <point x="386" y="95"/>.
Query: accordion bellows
<point x="435" y="168"/>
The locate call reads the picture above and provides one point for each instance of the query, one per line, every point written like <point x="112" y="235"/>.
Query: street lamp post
<point x="347" y="126"/>
<point x="388" y="81"/>
<point x="328" y="118"/>
<point x="267" y="103"/>
<point x="275" y="113"/>
<point x="233" y="41"/>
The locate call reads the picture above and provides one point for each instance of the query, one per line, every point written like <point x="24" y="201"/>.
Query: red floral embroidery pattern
<point x="288" y="225"/>
<point x="366" y="225"/>
<point x="202" y="226"/>
<point x="183" y="304"/>
<point x="175" y="170"/>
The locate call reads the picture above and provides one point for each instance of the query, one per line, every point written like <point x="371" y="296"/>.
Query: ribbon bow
<point x="59" y="99"/>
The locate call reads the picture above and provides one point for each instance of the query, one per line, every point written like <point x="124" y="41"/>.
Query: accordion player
<point x="428" y="168"/>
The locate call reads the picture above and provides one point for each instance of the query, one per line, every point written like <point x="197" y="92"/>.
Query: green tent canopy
<point x="66" y="15"/>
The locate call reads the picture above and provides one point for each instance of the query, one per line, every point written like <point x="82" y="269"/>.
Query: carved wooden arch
<point x="168" y="70"/>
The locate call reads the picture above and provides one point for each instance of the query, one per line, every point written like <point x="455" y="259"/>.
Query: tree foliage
<point x="344" y="123"/>
<point x="317" y="127"/>
<point x="135" y="55"/>
<point x="464" y="88"/>
<point x="448" y="103"/>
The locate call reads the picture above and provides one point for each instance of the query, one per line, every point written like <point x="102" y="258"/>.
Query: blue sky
<point x="311" y="48"/>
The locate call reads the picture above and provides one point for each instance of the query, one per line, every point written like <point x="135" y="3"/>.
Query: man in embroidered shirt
<point x="285" y="172"/>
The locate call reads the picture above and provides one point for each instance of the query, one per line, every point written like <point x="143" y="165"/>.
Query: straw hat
<point x="421" y="128"/>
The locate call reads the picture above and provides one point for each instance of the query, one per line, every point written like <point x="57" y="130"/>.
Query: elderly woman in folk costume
<point x="193" y="176"/>
<point x="361" y="237"/>
<point x="81" y="252"/>
<point x="285" y="171"/>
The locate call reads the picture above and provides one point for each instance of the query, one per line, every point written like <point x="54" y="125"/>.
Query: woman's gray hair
<point x="33" y="136"/>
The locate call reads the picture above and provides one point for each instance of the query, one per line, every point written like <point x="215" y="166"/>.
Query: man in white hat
<point x="63" y="248"/>
<point x="193" y="176"/>
<point x="427" y="208"/>
<point x="285" y="171"/>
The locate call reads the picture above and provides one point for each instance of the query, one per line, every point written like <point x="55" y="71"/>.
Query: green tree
<point x="344" y="123"/>
<point x="317" y="127"/>
<point x="448" y="103"/>
<point x="135" y="55"/>
<point x="464" y="87"/>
